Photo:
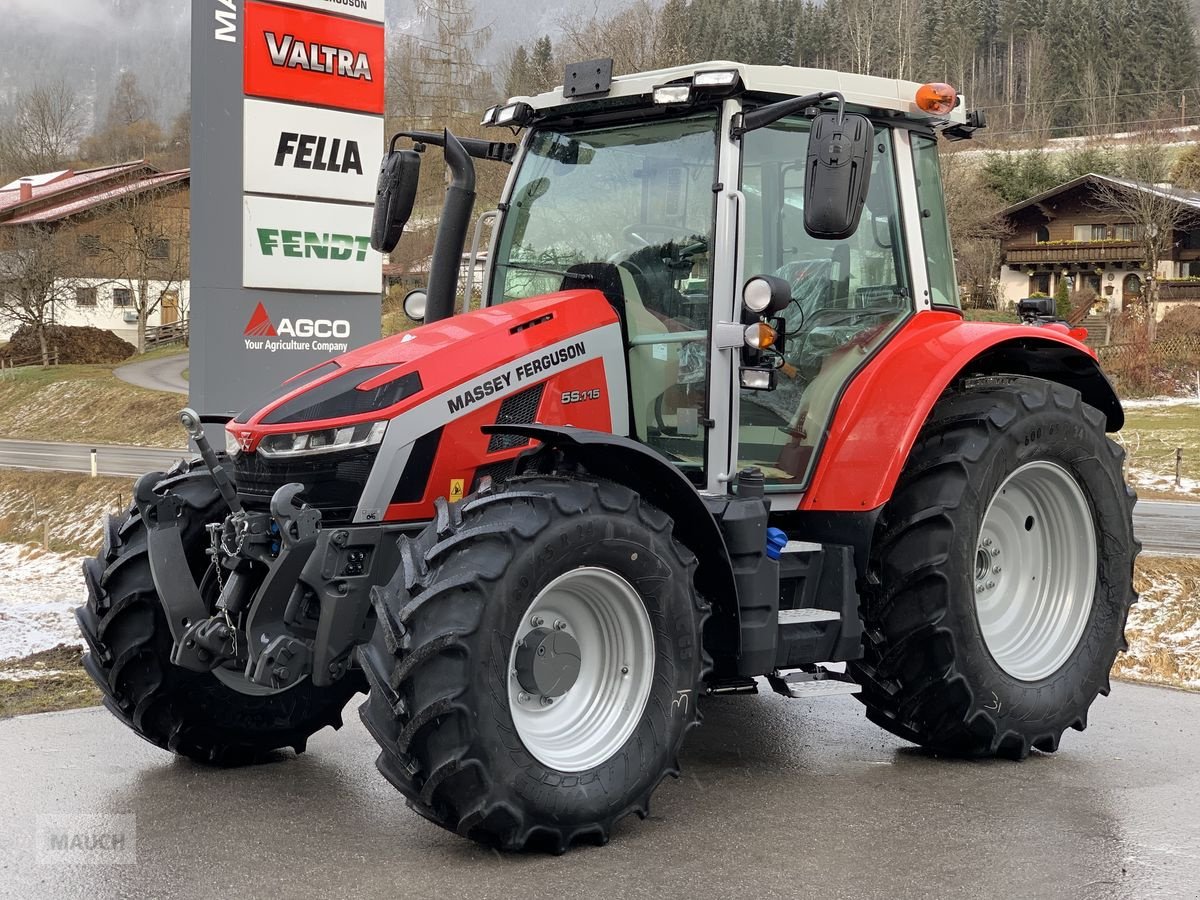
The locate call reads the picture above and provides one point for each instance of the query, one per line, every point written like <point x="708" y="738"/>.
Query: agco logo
<point x="263" y="333"/>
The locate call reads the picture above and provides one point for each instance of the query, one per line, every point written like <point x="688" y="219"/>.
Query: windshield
<point x="627" y="209"/>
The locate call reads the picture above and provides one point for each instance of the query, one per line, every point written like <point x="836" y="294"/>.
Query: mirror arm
<point x="495" y="151"/>
<point x="773" y="112"/>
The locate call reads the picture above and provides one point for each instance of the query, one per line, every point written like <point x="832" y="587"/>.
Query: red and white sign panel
<point x="306" y="151"/>
<point x="371" y="10"/>
<point x="307" y="57"/>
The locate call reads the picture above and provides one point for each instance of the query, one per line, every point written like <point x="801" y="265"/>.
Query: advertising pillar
<point x="287" y="137"/>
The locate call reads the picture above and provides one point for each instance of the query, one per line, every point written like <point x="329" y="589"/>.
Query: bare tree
<point x="1155" y="207"/>
<point x="976" y="226"/>
<point x="34" y="279"/>
<point x="42" y="131"/>
<point x="145" y="251"/>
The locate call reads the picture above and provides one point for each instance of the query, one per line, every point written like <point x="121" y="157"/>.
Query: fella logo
<point x="312" y="151"/>
<point x="308" y="57"/>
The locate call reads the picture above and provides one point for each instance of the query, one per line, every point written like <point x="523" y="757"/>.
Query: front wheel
<point x="1002" y="573"/>
<point x="536" y="662"/>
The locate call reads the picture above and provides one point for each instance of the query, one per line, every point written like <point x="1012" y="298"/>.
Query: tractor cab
<point x="760" y="231"/>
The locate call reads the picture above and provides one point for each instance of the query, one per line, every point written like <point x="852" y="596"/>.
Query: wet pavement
<point x="779" y="798"/>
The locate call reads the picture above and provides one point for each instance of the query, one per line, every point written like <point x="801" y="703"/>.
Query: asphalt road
<point x="778" y="798"/>
<point x="110" y="460"/>
<point x="162" y="374"/>
<point x="1168" y="527"/>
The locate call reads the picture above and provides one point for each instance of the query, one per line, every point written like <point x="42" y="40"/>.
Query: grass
<point x="61" y="683"/>
<point x="87" y="404"/>
<point x="991" y="315"/>
<point x="1151" y="436"/>
<point x="1164" y="626"/>
<point x="72" y="505"/>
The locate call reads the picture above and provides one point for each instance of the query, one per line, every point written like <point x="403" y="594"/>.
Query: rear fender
<point x="640" y="468"/>
<point x="884" y="408"/>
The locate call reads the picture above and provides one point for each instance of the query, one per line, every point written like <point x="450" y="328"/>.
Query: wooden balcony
<point x="1175" y="291"/>
<point x="1074" y="252"/>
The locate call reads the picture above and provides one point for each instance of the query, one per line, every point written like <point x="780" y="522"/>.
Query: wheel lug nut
<point x="537" y="621"/>
<point x="996" y="570"/>
<point x="987" y="542"/>
<point x="559" y="625"/>
<point x="991" y="584"/>
<point x="979" y="587"/>
<point x="522" y="697"/>
<point x="546" y="701"/>
<point x="996" y="552"/>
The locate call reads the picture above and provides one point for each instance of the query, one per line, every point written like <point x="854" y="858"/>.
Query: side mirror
<point x="395" y="194"/>
<point x="414" y="305"/>
<point x="837" y="174"/>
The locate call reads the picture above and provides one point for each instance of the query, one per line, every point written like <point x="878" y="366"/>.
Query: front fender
<point x="640" y="468"/>
<point x="884" y="408"/>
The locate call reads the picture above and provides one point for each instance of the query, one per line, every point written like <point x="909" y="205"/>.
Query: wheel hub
<point x="1035" y="570"/>
<point x="580" y="669"/>
<point x="547" y="662"/>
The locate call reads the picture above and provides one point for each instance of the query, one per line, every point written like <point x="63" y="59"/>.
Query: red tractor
<point x="719" y="419"/>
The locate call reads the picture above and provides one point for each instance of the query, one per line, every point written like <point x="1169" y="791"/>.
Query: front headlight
<point x="231" y="444"/>
<point x="327" y="440"/>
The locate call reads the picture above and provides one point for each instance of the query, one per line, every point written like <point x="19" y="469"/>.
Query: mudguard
<point x="883" y="409"/>
<point x="639" y="467"/>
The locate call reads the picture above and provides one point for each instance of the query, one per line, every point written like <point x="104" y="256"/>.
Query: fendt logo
<point x="313" y="244"/>
<point x="314" y="151"/>
<point x="261" y="333"/>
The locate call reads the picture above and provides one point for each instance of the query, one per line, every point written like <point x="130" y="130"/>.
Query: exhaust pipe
<point x="452" y="232"/>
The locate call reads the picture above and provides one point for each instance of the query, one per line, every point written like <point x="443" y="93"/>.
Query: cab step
<point x="808" y="616"/>
<point x="807" y="684"/>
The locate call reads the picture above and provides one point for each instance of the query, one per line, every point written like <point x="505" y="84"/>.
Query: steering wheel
<point x="637" y="235"/>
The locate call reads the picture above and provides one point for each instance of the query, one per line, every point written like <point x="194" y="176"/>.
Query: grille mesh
<point x="519" y="409"/>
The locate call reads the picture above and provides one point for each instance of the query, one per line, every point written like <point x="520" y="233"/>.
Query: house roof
<point x="60" y="195"/>
<point x="1186" y="198"/>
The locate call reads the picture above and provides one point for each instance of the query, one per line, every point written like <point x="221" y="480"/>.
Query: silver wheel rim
<point x="593" y="719"/>
<point x="1035" y="570"/>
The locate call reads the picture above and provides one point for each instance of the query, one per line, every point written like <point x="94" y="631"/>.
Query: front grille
<point x="333" y="482"/>
<point x="519" y="409"/>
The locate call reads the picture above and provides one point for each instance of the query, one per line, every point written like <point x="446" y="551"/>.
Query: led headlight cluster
<point x="326" y="440"/>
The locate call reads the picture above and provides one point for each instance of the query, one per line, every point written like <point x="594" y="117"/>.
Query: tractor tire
<point x="1001" y="574"/>
<point x="193" y="714"/>
<point x="462" y="738"/>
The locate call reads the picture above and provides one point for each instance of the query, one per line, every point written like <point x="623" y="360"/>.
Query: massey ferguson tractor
<point x="718" y="422"/>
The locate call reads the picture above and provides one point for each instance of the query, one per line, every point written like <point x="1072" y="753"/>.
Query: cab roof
<point x="887" y="94"/>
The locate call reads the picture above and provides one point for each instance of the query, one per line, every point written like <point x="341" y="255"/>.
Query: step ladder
<point x="812" y="682"/>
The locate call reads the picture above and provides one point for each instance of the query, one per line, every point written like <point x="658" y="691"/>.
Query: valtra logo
<point x="311" y="58"/>
<point x="261" y="333"/>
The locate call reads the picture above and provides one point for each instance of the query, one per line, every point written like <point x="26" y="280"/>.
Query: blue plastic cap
<point x="776" y="541"/>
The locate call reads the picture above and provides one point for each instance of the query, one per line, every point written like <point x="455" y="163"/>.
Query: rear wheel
<point x="1001" y="576"/>
<point x="194" y="714"/>
<point x="536" y="662"/>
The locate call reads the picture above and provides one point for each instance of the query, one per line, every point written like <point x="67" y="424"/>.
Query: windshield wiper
<point x="545" y="270"/>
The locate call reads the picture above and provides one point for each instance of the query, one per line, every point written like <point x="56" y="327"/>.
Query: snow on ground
<point x="38" y="595"/>
<point x="1146" y="480"/>
<point x="1159" y="402"/>
<point x="1164" y="626"/>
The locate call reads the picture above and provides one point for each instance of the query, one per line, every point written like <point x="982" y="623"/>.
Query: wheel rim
<point x="601" y="614"/>
<point x="1035" y="570"/>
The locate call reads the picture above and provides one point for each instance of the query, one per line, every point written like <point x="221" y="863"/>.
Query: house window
<point x="89" y="245"/>
<point x="1091" y="232"/>
<point x="1129" y="232"/>
<point x="160" y="248"/>
<point x="122" y="297"/>
<point x="85" y="296"/>
<point x="1039" y="283"/>
<point x="1043" y="234"/>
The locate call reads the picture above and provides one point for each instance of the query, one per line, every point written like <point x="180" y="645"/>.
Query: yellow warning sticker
<point x="456" y="489"/>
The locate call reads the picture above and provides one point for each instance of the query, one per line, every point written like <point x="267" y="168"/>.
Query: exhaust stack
<point x="452" y="231"/>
